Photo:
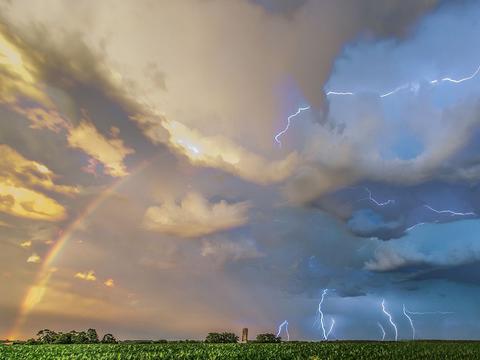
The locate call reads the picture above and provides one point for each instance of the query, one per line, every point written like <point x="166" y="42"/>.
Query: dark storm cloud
<point x="466" y="273"/>
<point x="388" y="212"/>
<point x="429" y="245"/>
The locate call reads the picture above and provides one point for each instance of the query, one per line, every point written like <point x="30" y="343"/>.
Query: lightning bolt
<point x="340" y="93"/>
<point x="410" y="321"/>
<point x="451" y="212"/>
<point x="459" y="80"/>
<point x="382" y="329"/>
<point x="283" y="324"/>
<point x="407" y="313"/>
<point x="411" y="85"/>
<point x="190" y="147"/>
<point x="430" y="312"/>
<point x="390" y="319"/>
<point x="414" y="226"/>
<point x="370" y="197"/>
<point x="289" y="119"/>
<point x="320" y="316"/>
<point x="331" y="328"/>
<point x="394" y="91"/>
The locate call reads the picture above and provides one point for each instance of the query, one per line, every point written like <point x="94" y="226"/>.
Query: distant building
<point x="244" y="335"/>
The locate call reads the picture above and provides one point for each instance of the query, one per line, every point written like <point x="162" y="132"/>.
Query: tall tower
<point x="244" y="335"/>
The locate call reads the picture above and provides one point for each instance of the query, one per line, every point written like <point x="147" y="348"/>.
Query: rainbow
<point x="36" y="291"/>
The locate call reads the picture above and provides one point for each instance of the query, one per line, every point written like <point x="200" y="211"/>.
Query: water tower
<point x="244" y="335"/>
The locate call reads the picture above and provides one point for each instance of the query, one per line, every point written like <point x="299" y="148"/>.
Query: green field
<point x="332" y="350"/>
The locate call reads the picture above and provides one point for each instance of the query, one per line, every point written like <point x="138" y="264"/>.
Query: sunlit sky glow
<point x="172" y="168"/>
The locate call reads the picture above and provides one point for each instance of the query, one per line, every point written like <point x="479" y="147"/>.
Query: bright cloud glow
<point x="87" y="276"/>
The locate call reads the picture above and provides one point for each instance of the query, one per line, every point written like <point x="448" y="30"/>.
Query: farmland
<point x="300" y="350"/>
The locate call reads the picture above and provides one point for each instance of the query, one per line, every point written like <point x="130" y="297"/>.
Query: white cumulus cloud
<point x="195" y="216"/>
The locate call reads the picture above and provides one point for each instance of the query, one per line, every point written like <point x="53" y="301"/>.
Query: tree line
<point x="226" y="337"/>
<point x="89" y="336"/>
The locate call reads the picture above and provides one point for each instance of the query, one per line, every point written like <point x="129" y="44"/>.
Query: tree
<point x="79" y="337"/>
<point x="31" y="342"/>
<point x="92" y="336"/>
<point x="46" y="336"/>
<point x="63" y="338"/>
<point x="221" y="338"/>
<point x="109" y="339"/>
<point x="268" y="338"/>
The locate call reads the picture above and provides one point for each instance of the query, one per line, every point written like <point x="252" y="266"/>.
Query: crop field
<point x="301" y="350"/>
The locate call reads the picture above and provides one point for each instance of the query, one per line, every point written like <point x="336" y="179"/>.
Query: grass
<point x="301" y="350"/>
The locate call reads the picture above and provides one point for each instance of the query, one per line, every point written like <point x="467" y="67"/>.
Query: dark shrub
<point x="268" y="338"/>
<point x="109" y="339"/>
<point x="221" y="338"/>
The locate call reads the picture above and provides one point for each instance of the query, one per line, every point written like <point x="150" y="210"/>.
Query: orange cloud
<point x="87" y="276"/>
<point x="23" y="202"/>
<point x="110" y="152"/>
<point x="21" y="171"/>
<point x="109" y="283"/>
<point x="17" y="76"/>
<point x="19" y="180"/>
<point x="41" y="118"/>
<point x="26" y="244"/>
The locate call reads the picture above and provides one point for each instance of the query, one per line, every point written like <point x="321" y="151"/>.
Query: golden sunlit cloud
<point x="17" y="75"/>
<point x="20" y="171"/>
<point x="26" y="244"/>
<point x="109" y="283"/>
<point x="221" y="152"/>
<point x="216" y="151"/>
<point x="23" y="202"/>
<point x="19" y="82"/>
<point x="87" y="276"/>
<point x="194" y="216"/>
<point x="18" y="179"/>
<point x="110" y="152"/>
<point x="41" y="118"/>
<point x="34" y="258"/>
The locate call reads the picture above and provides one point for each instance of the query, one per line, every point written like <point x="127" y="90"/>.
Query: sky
<point x="172" y="168"/>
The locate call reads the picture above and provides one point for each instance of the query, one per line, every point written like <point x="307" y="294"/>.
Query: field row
<point x="304" y="350"/>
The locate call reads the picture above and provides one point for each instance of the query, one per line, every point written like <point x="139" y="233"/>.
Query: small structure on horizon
<point x="244" y="335"/>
